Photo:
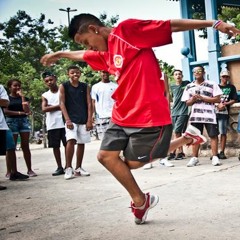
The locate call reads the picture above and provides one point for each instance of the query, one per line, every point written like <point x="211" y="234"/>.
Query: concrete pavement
<point x="195" y="203"/>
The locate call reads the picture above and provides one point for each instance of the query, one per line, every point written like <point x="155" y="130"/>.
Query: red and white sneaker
<point x="140" y="213"/>
<point x="194" y="134"/>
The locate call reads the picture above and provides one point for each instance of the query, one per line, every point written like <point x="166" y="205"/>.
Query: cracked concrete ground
<point x="195" y="203"/>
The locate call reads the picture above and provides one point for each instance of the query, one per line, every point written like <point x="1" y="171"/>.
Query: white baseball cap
<point x="225" y="73"/>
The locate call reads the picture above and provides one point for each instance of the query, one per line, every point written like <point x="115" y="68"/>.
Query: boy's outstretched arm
<point x="178" y="25"/>
<point x="51" y="58"/>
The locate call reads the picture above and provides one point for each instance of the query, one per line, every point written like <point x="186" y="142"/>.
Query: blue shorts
<point x="223" y="125"/>
<point x="10" y="144"/>
<point x="18" y="125"/>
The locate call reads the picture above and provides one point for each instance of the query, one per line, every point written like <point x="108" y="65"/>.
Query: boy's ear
<point x="93" y="28"/>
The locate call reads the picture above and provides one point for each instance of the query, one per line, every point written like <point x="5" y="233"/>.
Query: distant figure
<point x="228" y="98"/>
<point x="17" y="119"/>
<point x="76" y="106"/>
<point x="54" y="119"/>
<point x="102" y="101"/>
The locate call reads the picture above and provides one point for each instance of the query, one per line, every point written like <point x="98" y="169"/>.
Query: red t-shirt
<point x="140" y="100"/>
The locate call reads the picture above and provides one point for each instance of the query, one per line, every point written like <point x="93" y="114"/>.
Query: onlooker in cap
<point x="228" y="97"/>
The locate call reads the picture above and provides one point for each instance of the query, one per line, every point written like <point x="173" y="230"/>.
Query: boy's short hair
<point x="46" y="74"/>
<point x="80" y="23"/>
<point x="177" y="70"/>
<point x="73" y="67"/>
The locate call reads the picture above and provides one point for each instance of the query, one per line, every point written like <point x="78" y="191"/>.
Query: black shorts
<point x="55" y="137"/>
<point x="212" y="129"/>
<point x="138" y="144"/>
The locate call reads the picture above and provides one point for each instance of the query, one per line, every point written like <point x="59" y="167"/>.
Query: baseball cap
<point x="47" y="74"/>
<point x="224" y="73"/>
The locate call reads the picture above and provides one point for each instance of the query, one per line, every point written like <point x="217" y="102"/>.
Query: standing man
<point x="202" y="95"/>
<point x="179" y="111"/>
<point x="76" y="106"/>
<point x="54" y="119"/>
<point x="228" y="98"/>
<point x="102" y="102"/>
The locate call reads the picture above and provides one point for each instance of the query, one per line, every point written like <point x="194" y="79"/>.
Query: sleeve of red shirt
<point x="96" y="60"/>
<point x="146" y="33"/>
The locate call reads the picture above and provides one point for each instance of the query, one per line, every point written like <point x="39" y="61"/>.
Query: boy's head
<point x="224" y="76"/>
<point x="73" y="73"/>
<point x="88" y="30"/>
<point x="105" y="76"/>
<point x="198" y="72"/>
<point x="49" y="78"/>
<point x="177" y="74"/>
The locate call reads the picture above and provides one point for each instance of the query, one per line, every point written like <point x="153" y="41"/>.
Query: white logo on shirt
<point x="118" y="61"/>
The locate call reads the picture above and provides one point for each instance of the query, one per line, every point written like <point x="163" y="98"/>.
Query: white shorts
<point x="79" y="133"/>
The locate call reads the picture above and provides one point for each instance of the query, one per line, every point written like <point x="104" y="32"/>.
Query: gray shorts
<point x="138" y="144"/>
<point x="179" y="123"/>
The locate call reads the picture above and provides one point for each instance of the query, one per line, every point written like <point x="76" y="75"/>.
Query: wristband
<point x="19" y="113"/>
<point x="24" y="103"/>
<point x="216" y="24"/>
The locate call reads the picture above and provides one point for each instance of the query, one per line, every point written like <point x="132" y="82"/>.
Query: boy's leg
<point x="57" y="155"/>
<point x="79" y="155"/>
<point x="11" y="159"/>
<point x="121" y="171"/>
<point x="214" y="145"/>
<point x="25" y="148"/>
<point x="70" y="152"/>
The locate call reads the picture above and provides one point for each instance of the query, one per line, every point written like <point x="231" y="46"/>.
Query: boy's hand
<point x="49" y="59"/>
<point x="89" y="126"/>
<point x="228" y="29"/>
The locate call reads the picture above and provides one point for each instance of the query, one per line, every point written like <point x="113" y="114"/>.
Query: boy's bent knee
<point x="103" y="156"/>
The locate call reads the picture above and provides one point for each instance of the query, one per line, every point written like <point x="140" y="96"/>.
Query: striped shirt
<point x="202" y="112"/>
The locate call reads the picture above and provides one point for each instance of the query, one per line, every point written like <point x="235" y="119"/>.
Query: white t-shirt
<point x="102" y="94"/>
<point x="3" y="95"/>
<point x="54" y="120"/>
<point x="202" y="112"/>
